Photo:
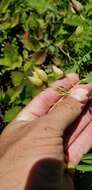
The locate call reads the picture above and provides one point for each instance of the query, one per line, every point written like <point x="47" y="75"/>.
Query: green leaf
<point x="10" y="92"/>
<point x="11" y="58"/>
<point x="26" y="101"/>
<point x="33" y="23"/>
<point x="88" y="78"/>
<point x="31" y="45"/>
<point x="87" y="157"/>
<point x="10" y="63"/>
<point x="41" y="5"/>
<point x="16" y="93"/>
<point x="84" y="168"/>
<point x="28" y="65"/>
<point x="52" y="77"/>
<point x="2" y="95"/>
<point x="4" y="5"/>
<point x="60" y="32"/>
<point x="11" y="113"/>
<point x="41" y="23"/>
<point x="14" y="20"/>
<point x="5" y="25"/>
<point x="73" y="20"/>
<point x="17" y="78"/>
<point x="29" y="91"/>
<point x="87" y="161"/>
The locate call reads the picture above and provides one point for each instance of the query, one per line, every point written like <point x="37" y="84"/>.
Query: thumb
<point x="69" y="108"/>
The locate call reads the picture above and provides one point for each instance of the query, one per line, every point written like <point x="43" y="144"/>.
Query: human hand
<point x="33" y="141"/>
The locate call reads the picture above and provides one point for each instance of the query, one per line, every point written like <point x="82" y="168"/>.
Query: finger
<point x="73" y="131"/>
<point x="42" y="103"/>
<point x="79" y="87"/>
<point x="80" y="146"/>
<point x="66" y="111"/>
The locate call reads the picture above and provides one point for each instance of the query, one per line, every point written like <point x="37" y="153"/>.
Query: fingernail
<point x="80" y="94"/>
<point x="73" y="77"/>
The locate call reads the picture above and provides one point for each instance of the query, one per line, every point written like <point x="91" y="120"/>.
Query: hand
<point x="31" y="147"/>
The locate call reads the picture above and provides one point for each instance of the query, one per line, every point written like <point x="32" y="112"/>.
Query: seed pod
<point x="58" y="71"/>
<point x="56" y="61"/>
<point x="77" y="5"/>
<point x="39" y="57"/>
<point x="35" y="74"/>
<point x="71" y="8"/>
<point x="41" y="74"/>
<point x="36" y="81"/>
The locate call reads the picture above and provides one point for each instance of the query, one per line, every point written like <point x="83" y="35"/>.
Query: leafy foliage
<point x="34" y="36"/>
<point x="85" y="164"/>
<point x="11" y="113"/>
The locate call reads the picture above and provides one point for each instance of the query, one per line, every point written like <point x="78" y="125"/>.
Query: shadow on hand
<point x="46" y="174"/>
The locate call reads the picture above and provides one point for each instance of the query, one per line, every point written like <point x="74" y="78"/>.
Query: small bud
<point x="35" y="81"/>
<point x="58" y="71"/>
<point x="41" y="74"/>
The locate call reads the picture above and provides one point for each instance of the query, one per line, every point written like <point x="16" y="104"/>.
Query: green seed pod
<point x="58" y="71"/>
<point x="41" y="74"/>
<point x="35" y="74"/>
<point x="35" y="80"/>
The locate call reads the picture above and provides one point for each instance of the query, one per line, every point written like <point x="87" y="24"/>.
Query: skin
<point x="31" y="147"/>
